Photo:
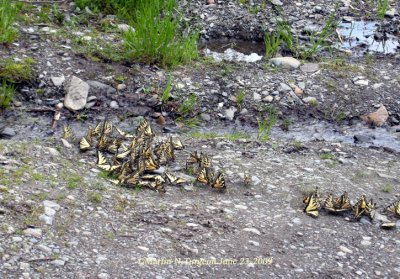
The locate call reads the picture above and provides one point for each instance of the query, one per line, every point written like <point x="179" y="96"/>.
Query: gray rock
<point x="252" y="230"/>
<point x="309" y="67"/>
<point x="362" y="139"/>
<point x="33" y="232"/>
<point x="58" y="262"/>
<point x="276" y="2"/>
<point x="114" y="105"/>
<point x="205" y="117"/>
<point x="7" y="133"/>
<point x="58" y="81"/>
<point x="230" y="113"/>
<point x="99" y="87"/>
<point x="77" y="92"/>
<point x="285" y="62"/>
<point x="256" y="97"/>
<point x="310" y="100"/>
<point x="283" y="87"/>
<point x="51" y="204"/>
<point x="125" y="27"/>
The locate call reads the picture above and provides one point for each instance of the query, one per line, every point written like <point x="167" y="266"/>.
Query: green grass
<point x="327" y="156"/>
<point x="240" y="98"/>
<point x="387" y="188"/>
<point x="382" y="8"/>
<point x="275" y="39"/>
<point x="8" y="14"/>
<point x="16" y="71"/>
<point x="73" y="181"/>
<point x="188" y="105"/>
<point x="95" y="197"/>
<point x="266" y="122"/>
<point x="167" y="91"/>
<point x="156" y="38"/>
<point x="6" y="94"/>
<point x="212" y="135"/>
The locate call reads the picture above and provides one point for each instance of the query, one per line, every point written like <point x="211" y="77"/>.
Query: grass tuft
<point x="16" y="71"/>
<point x="156" y="38"/>
<point x="6" y="94"/>
<point x="266" y="122"/>
<point x="8" y="14"/>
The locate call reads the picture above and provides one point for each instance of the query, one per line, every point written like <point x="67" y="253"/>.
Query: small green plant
<point x="8" y="14"/>
<point x="327" y="156"/>
<point x="236" y="136"/>
<point x="240" y="98"/>
<point x="319" y="42"/>
<point x="6" y="94"/>
<point x="266" y="122"/>
<point x="156" y="37"/>
<point x="387" y="188"/>
<point x="16" y="71"/>
<point x="95" y="197"/>
<point x="167" y="91"/>
<point x="286" y="124"/>
<point x="188" y="105"/>
<point x="204" y="135"/>
<point x="382" y="8"/>
<point x="73" y="181"/>
<point x="277" y="38"/>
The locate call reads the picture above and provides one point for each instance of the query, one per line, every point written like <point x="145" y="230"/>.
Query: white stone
<point x="114" y="105"/>
<point x="345" y="249"/>
<point x="58" y="81"/>
<point x="66" y="143"/>
<point x="77" y="93"/>
<point x="310" y="100"/>
<point x="286" y="62"/>
<point x="58" y="262"/>
<point x="252" y="230"/>
<point x="125" y="27"/>
<point x="256" y="96"/>
<point x="143" y="248"/>
<point x="46" y="219"/>
<point x="51" y="204"/>
<point x="230" y="113"/>
<point x="33" y="232"/>
<point x="276" y="2"/>
<point x="362" y="82"/>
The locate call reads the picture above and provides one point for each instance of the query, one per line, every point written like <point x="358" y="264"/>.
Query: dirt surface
<point x="60" y="218"/>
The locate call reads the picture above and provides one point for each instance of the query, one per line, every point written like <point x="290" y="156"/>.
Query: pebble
<point x="76" y="93"/>
<point x="240" y="206"/>
<point x="103" y="276"/>
<point x="143" y="248"/>
<point x="309" y="67"/>
<point x="285" y="62"/>
<point x="230" y="113"/>
<point x="310" y="100"/>
<point x="121" y="87"/>
<point x="17" y="239"/>
<point x="296" y="221"/>
<point x="43" y="248"/>
<point x="268" y="99"/>
<point x="252" y="230"/>
<point x="58" y="81"/>
<point x="345" y="249"/>
<point x="256" y="97"/>
<point x="58" y="262"/>
<point x="33" y="232"/>
<point x="114" y="105"/>
<point x="7" y="133"/>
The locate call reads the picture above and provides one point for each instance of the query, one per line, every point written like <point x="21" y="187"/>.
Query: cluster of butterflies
<point x="135" y="157"/>
<point x="342" y="204"/>
<point x="202" y="166"/>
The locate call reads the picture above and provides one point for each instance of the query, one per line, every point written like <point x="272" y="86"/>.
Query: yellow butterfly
<point x="84" y="144"/>
<point x="150" y="164"/>
<point x="360" y="207"/>
<point x="203" y="176"/>
<point x="98" y="129"/>
<point x="103" y="164"/>
<point x="68" y="133"/>
<point x="371" y="209"/>
<point x="102" y="143"/>
<point x="169" y="151"/>
<point x="133" y="180"/>
<point x="176" y="143"/>
<point x="174" y="179"/>
<point x="144" y="128"/>
<point x="312" y="206"/>
<point x="343" y="203"/>
<point x="329" y="204"/>
<point x="107" y="127"/>
<point x="219" y="182"/>
<point x="394" y="208"/>
<point x="193" y="159"/>
<point x="205" y="162"/>
<point x="123" y="155"/>
<point x="316" y="194"/>
<point x="124" y="134"/>
<point x="114" y="181"/>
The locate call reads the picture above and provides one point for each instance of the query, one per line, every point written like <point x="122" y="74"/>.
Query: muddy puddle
<point x="363" y="36"/>
<point x="358" y="134"/>
<point x="360" y="37"/>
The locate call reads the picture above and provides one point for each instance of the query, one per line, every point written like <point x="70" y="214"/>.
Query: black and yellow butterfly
<point x="194" y="158"/>
<point x="343" y="203"/>
<point x="68" y="133"/>
<point x="144" y="128"/>
<point x="114" y="145"/>
<point x="123" y="155"/>
<point x="360" y="207"/>
<point x="102" y="144"/>
<point x="205" y="162"/>
<point x="176" y="143"/>
<point x="219" y="182"/>
<point x="371" y="209"/>
<point x="169" y="151"/>
<point x="203" y="176"/>
<point x="103" y="164"/>
<point x="394" y="208"/>
<point x="97" y="131"/>
<point x="107" y="127"/>
<point x="84" y="144"/>
<point x="174" y="179"/>
<point x="329" y="204"/>
<point x="132" y="180"/>
<point x="124" y="134"/>
<point x="315" y="193"/>
<point x="150" y="164"/>
<point x="312" y="206"/>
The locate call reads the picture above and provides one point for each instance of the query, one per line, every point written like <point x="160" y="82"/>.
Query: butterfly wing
<point x="84" y="144"/>
<point x="312" y="206"/>
<point x="219" y="182"/>
<point x="203" y="177"/>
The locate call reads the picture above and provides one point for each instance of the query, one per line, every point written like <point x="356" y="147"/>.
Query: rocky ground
<point x="61" y="219"/>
